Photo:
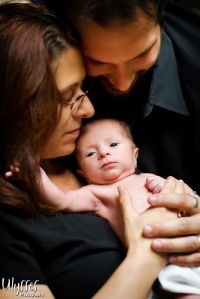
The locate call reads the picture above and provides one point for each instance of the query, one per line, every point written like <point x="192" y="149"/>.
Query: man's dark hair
<point x="107" y="12"/>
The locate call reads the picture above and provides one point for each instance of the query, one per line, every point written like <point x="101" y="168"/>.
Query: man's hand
<point x="179" y="236"/>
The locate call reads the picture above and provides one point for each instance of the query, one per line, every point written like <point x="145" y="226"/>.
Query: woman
<point x="41" y="110"/>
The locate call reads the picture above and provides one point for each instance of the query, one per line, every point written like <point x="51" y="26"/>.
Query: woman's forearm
<point x="133" y="279"/>
<point x="136" y="274"/>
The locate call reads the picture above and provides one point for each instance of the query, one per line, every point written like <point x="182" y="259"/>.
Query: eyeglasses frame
<point x="81" y="97"/>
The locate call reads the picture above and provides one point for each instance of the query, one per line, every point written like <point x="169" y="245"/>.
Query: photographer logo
<point x="25" y="288"/>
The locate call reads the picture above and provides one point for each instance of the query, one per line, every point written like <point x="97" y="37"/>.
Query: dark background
<point x="194" y="4"/>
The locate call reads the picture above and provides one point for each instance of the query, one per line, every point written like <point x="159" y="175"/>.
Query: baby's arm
<point x="80" y="200"/>
<point x="101" y="200"/>
<point x="95" y="198"/>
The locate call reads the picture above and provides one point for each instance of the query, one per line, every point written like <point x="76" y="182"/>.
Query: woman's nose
<point x="85" y="110"/>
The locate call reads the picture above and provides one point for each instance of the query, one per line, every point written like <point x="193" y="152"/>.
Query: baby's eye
<point x="114" y="144"/>
<point x="90" y="154"/>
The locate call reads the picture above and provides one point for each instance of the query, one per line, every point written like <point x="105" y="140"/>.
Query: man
<point x="147" y="74"/>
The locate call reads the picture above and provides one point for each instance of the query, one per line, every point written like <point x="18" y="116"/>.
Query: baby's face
<point x="105" y="154"/>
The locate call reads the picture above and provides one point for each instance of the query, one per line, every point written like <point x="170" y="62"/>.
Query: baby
<point x="107" y="157"/>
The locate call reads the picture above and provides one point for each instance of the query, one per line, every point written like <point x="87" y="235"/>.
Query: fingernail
<point x="152" y="199"/>
<point x="148" y="230"/>
<point x="157" y="244"/>
<point x="173" y="259"/>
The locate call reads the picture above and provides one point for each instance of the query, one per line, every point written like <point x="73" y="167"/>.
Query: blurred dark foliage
<point x="193" y="4"/>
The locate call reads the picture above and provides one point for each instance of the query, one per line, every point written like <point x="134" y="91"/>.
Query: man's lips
<point x="107" y="164"/>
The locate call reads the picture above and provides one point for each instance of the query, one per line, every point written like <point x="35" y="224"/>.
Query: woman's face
<point x="69" y="73"/>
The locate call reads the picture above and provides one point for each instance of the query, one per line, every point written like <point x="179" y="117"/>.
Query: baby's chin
<point x="104" y="182"/>
<point x="109" y="179"/>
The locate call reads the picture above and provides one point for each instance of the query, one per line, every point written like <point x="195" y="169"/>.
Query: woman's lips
<point x="75" y="132"/>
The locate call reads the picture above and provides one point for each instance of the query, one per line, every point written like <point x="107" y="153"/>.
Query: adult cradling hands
<point x="180" y="235"/>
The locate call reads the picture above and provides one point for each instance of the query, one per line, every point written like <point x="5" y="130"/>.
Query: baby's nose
<point x="103" y="154"/>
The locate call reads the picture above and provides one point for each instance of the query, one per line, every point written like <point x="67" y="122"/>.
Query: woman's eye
<point x="67" y="96"/>
<point x="114" y="144"/>
<point x="91" y="154"/>
<point x="67" y="101"/>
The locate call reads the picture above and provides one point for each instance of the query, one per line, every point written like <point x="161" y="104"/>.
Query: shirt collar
<point x="165" y="89"/>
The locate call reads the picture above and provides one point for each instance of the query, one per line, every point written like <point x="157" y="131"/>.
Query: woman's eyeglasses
<point x="77" y="102"/>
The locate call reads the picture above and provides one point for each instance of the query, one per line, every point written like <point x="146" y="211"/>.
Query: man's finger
<point x="189" y="260"/>
<point x="183" y="202"/>
<point x="170" y="185"/>
<point x="173" y="227"/>
<point x="186" y="244"/>
<point x="180" y="187"/>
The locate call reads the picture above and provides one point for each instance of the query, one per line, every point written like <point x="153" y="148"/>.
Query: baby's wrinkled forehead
<point x="98" y="130"/>
<point x="86" y="136"/>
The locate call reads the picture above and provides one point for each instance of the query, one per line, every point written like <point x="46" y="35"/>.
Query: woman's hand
<point x="134" y="239"/>
<point x="141" y="266"/>
<point x="179" y="235"/>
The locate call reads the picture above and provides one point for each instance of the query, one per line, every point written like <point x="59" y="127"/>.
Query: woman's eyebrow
<point x="63" y="90"/>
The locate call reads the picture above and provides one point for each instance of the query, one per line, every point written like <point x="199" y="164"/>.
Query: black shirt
<point x="74" y="254"/>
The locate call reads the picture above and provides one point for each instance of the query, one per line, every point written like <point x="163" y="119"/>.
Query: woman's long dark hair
<point x="31" y="39"/>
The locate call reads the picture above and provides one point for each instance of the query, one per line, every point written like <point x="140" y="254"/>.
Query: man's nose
<point x="122" y="77"/>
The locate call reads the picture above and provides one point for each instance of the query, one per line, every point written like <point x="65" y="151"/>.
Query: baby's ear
<point x="135" y="155"/>
<point x="81" y="173"/>
<point x="135" y="152"/>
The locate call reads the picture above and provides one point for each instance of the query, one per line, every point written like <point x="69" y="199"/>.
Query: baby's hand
<point x="155" y="184"/>
<point x="14" y="170"/>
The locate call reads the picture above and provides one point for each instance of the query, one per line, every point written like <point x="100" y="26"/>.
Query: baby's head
<point x="105" y="151"/>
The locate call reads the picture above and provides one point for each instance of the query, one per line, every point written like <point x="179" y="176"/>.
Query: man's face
<point x="121" y="54"/>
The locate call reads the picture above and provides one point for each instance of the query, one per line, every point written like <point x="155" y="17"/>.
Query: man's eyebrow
<point x="146" y="50"/>
<point x="140" y="55"/>
<point x="95" y="60"/>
